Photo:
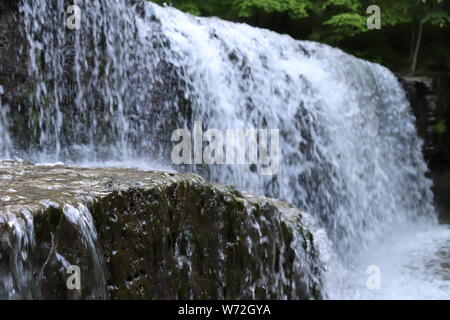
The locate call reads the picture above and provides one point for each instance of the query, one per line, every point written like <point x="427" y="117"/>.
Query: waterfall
<point x="134" y="72"/>
<point x="21" y="273"/>
<point x="5" y="142"/>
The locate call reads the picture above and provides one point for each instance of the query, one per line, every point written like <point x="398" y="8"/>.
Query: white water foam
<point x="351" y="157"/>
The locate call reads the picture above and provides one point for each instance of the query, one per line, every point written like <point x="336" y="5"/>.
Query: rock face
<point x="147" y="235"/>
<point x="13" y="68"/>
<point x="430" y="101"/>
<point x="424" y="103"/>
<point x="441" y="190"/>
<point x="430" y="98"/>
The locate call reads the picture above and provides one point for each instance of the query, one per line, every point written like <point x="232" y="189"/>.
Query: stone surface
<point x="154" y="235"/>
<point x="424" y="103"/>
<point x="430" y="101"/>
<point x="13" y="67"/>
<point x="441" y="190"/>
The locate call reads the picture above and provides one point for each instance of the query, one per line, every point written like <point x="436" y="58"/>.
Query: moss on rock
<point x="164" y="236"/>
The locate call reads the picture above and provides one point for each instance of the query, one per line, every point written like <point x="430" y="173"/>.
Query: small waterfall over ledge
<point x="134" y="72"/>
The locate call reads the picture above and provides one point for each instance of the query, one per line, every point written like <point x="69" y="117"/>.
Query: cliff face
<point x="430" y="98"/>
<point x="424" y="103"/>
<point x="13" y="68"/>
<point x="148" y="235"/>
<point x="430" y="101"/>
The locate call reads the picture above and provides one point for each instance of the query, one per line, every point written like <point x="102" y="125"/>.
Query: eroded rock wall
<point x="430" y="102"/>
<point x="148" y="235"/>
<point x="13" y="67"/>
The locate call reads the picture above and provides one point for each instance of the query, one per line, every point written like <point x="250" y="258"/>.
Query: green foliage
<point x="440" y="127"/>
<point x="190" y="8"/>
<point x="353" y="5"/>
<point x="200" y="7"/>
<point x="354" y="21"/>
<point x="438" y="18"/>
<point x="296" y="9"/>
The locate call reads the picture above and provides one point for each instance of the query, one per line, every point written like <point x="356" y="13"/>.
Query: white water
<point x="19" y="274"/>
<point x="350" y="153"/>
<point x="81" y="218"/>
<point x="413" y="265"/>
<point x="16" y="272"/>
<point x="5" y="141"/>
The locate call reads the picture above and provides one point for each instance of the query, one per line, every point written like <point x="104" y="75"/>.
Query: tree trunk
<point x="416" y="51"/>
<point x="412" y="44"/>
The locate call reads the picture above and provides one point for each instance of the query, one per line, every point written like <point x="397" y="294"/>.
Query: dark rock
<point x="13" y="68"/>
<point x="158" y="236"/>
<point x="430" y="102"/>
<point x="441" y="190"/>
<point x="423" y="101"/>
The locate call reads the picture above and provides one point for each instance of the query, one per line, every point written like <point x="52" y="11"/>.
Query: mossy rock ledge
<point x="147" y="235"/>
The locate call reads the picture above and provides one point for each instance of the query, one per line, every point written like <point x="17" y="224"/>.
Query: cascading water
<point x="134" y="72"/>
<point x="26" y="260"/>
<point x="5" y="142"/>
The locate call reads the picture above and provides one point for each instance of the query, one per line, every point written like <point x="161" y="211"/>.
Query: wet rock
<point x="441" y="190"/>
<point x="13" y="67"/>
<point x="148" y="235"/>
<point x="423" y="101"/>
<point x="430" y="101"/>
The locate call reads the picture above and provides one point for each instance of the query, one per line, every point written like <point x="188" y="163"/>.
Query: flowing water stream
<point x="350" y="156"/>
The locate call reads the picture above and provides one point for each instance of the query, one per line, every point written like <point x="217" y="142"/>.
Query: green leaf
<point x="440" y="127"/>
